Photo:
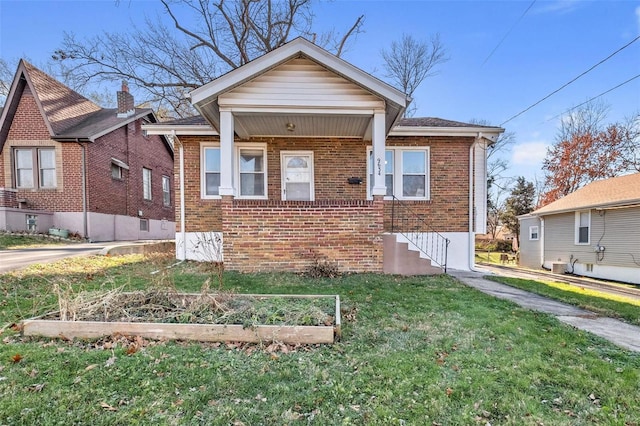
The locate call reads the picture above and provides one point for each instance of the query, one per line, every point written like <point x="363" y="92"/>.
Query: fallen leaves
<point x="16" y="358"/>
<point x="107" y="407"/>
<point x="36" y="387"/>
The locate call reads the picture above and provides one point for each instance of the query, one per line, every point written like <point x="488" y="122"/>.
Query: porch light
<point x="291" y="127"/>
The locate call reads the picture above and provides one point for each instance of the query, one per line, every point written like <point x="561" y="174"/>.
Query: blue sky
<point x="533" y="55"/>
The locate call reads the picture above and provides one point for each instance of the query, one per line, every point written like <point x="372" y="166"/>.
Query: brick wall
<point x="335" y="160"/>
<point x="341" y="226"/>
<point x="8" y="198"/>
<point x="290" y="235"/>
<point x="124" y="196"/>
<point x="201" y="215"/>
<point x="448" y="208"/>
<point x="28" y="129"/>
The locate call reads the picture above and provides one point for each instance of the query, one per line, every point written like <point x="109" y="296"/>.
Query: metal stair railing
<point x="419" y="233"/>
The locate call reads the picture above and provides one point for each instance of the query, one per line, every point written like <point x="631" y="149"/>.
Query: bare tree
<point x="409" y="62"/>
<point x="6" y="75"/>
<point x="588" y="149"/>
<point x="205" y="40"/>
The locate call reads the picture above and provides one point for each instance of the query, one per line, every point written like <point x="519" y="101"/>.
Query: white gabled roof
<point x="295" y="48"/>
<point x="208" y="98"/>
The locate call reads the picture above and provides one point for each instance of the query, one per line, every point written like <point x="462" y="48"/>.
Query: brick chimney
<point x="125" y="102"/>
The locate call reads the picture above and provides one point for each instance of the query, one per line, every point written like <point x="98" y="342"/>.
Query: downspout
<point x="472" y="241"/>
<point x="541" y="242"/>
<point x="183" y="229"/>
<point x="84" y="191"/>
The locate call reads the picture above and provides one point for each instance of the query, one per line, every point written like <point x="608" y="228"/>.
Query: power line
<point x="573" y="80"/>
<point x="508" y="32"/>
<point x="595" y="97"/>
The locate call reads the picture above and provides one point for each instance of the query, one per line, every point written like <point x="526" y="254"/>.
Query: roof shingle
<point x="63" y="107"/>
<point x="617" y="191"/>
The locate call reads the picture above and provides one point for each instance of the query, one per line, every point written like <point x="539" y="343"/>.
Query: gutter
<point x="84" y="191"/>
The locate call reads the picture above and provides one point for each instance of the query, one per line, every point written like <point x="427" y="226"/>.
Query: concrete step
<point x="399" y="259"/>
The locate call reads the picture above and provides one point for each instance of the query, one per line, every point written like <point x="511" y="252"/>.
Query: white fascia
<point x="491" y="134"/>
<point x="180" y="130"/>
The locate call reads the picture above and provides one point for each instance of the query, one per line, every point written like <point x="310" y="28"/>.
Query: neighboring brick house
<point x="594" y="231"/>
<point x="67" y="163"/>
<point x="297" y="157"/>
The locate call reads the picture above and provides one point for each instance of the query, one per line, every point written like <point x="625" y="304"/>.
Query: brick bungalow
<point x="298" y="157"/>
<point x="69" y="164"/>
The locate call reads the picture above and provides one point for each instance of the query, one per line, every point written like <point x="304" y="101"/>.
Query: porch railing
<point x="419" y="233"/>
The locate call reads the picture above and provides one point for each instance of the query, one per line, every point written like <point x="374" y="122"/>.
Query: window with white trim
<point x="146" y="183"/>
<point x="252" y="171"/>
<point x="210" y="176"/>
<point x="406" y="172"/>
<point x="583" y="226"/>
<point x="166" y="191"/>
<point x="533" y="233"/>
<point x="35" y="168"/>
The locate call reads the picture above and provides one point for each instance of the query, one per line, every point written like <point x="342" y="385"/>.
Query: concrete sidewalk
<point x="620" y="333"/>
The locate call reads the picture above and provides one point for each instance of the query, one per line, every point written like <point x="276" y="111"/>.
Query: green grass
<point x="621" y="307"/>
<point x="11" y="241"/>
<point x="489" y="257"/>
<point x="414" y="351"/>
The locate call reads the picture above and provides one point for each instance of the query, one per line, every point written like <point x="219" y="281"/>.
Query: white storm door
<point x="297" y="176"/>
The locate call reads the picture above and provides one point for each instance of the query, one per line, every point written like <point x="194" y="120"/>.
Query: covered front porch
<point x="297" y="158"/>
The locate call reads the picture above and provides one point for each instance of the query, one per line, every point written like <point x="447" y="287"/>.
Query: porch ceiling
<point x="302" y="125"/>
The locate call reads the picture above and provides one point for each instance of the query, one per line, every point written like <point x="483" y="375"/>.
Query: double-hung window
<point x="583" y="224"/>
<point x="210" y="171"/>
<point x="252" y="169"/>
<point x="35" y="168"/>
<point x="534" y="233"/>
<point x="146" y="184"/>
<point x="406" y="172"/>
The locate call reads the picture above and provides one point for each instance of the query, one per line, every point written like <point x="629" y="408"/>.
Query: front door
<point x="297" y="175"/>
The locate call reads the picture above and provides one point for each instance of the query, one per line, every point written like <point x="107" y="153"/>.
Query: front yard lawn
<point x="416" y="350"/>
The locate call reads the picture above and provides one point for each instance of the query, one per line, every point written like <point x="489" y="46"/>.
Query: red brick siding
<point x="335" y="161"/>
<point x="448" y="207"/>
<point x="8" y="198"/>
<point x="125" y="197"/>
<point x="289" y="235"/>
<point x="200" y="215"/>
<point x="28" y="123"/>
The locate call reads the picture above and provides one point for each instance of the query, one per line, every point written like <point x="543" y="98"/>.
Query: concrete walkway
<point x="620" y="333"/>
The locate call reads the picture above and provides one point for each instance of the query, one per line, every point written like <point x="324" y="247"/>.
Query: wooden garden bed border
<point x="295" y="334"/>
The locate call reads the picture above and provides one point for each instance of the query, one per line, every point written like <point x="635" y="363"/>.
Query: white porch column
<point x="226" y="152"/>
<point x="379" y="146"/>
